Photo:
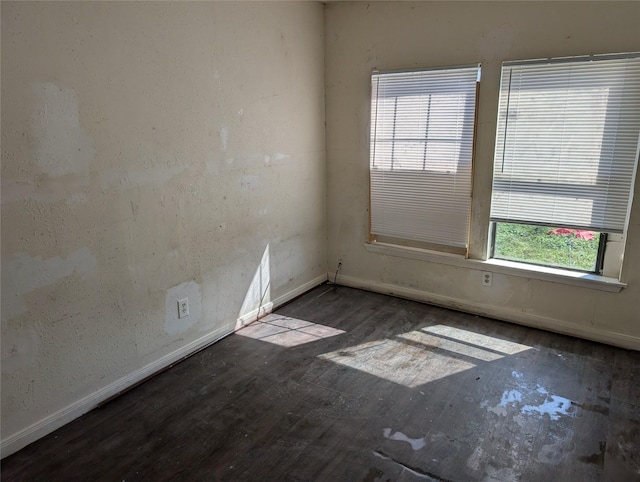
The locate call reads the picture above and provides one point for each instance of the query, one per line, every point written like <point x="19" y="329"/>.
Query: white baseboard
<point x="285" y="298"/>
<point x="45" y="426"/>
<point x="254" y="315"/>
<point x="498" y="312"/>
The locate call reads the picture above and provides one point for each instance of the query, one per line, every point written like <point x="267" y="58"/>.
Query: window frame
<point x="604" y="234"/>
<point x="610" y="279"/>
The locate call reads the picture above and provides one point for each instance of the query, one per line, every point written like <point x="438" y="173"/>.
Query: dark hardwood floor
<point x="346" y="385"/>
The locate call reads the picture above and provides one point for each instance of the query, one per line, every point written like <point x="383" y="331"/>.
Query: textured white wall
<point x="404" y="35"/>
<point x="150" y="151"/>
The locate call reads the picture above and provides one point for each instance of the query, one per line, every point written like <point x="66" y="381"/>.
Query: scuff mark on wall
<point x="128" y="178"/>
<point x="61" y="145"/>
<point x="224" y="137"/>
<point x="276" y="159"/>
<point x="73" y="188"/>
<point x="70" y="188"/>
<point x="19" y="348"/>
<point x="496" y="42"/>
<point x="249" y="183"/>
<point x="245" y="161"/>
<point x="28" y="274"/>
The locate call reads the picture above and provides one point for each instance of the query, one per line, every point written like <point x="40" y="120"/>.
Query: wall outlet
<point x="487" y="278"/>
<point x="183" y="308"/>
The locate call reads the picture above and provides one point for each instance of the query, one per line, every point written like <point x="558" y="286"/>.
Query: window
<point x="565" y="158"/>
<point x="422" y="133"/>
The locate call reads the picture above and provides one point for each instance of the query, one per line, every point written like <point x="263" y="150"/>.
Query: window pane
<point x="556" y="136"/>
<point x="443" y="124"/>
<point x="547" y="246"/>
<point x="442" y="156"/>
<point x="408" y="155"/>
<point x="411" y="116"/>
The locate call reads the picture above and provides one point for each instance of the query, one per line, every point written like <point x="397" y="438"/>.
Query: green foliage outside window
<point x="540" y="245"/>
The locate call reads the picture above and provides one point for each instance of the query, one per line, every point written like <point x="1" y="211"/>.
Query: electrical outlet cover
<point x="183" y="307"/>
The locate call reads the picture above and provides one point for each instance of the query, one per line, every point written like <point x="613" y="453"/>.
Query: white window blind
<point x="567" y="142"/>
<point x="422" y="128"/>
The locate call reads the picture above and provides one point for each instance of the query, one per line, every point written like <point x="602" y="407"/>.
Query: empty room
<point x="342" y="241"/>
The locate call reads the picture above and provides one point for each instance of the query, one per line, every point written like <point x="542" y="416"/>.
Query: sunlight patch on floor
<point x="286" y="331"/>
<point x="422" y="356"/>
<point x="477" y="339"/>
<point x="398" y="362"/>
<point x="431" y="341"/>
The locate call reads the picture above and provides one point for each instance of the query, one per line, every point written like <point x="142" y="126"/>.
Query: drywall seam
<point x="45" y="426"/>
<point x="500" y="313"/>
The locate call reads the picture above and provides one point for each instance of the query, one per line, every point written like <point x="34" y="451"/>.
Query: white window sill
<point x="511" y="268"/>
